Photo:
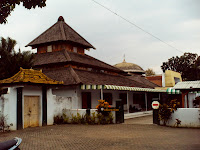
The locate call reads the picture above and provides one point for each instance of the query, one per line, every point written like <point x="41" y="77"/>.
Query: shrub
<point x="165" y="110"/>
<point x="58" y="120"/>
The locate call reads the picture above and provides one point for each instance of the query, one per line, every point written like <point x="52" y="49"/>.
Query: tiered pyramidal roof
<point x="62" y="63"/>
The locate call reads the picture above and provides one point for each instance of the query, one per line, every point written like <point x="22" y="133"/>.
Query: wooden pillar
<point x="19" y="109"/>
<point x="127" y="102"/>
<point x="44" y="105"/>
<point x="187" y="101"/>
<point x="183" y="100"/>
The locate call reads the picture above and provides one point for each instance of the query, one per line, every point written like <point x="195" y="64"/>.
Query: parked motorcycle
<point x="11" y="144"/>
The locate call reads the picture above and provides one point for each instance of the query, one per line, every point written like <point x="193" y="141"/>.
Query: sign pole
<point x="155" y="106"/>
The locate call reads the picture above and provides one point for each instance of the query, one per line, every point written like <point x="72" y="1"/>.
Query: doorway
<point x="86" y="100"/>
<point x="31" y="111"/>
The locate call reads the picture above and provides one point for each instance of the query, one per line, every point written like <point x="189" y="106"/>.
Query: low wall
<point x="82" y="112"/>
<point x="189" y="117"/>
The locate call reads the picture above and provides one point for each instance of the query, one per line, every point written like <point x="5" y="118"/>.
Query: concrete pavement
<point x="128" y="136"/>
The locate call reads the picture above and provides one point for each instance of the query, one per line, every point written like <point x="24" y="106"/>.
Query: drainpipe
<point x="127" y="102"/>
<point x="146" y="100"/>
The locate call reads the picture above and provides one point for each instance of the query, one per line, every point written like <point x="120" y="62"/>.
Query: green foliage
<point x="7" y="6"/>
<point x="65" y="118"/>
<point x="95" y="118"/>
<point x="165" y="110"/>
<point x="164" y="113"/>
<point x="149" y="72"/>
<point x="58" y="120"/>
<point x="10" y="60"/>
<point x="188" y="65"/>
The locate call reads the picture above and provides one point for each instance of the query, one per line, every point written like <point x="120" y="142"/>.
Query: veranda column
<point x="127" y="102"/>
<point x="146" y="100"/>
<point x="102" y="92"/>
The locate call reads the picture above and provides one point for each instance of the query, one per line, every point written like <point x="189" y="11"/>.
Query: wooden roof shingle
<point x="60" y="31"/>
<point x="72" y="76"/>
<point x="65" y="56"/>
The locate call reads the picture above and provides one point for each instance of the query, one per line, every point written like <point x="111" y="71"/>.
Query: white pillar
<point x="146" y="100"/>
<point x="186" y="101"/>
<point x="127" y="102"/>
<point x="101" y="92"/>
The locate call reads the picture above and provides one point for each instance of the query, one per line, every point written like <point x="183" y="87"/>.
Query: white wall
<point x="60" y="99"/>
<point x="70" y="93"/>
<point x="190" y="117"/>
<point x="10" y="107"/>
<point x="50" y="107"/>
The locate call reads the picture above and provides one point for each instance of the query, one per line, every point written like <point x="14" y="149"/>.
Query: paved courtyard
<point x="135" y="133"/>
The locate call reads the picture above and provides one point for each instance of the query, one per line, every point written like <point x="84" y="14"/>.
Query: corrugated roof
<point x="30" y="76"/>
<point x="60" y="31"/>
<point x="187" y="85"/>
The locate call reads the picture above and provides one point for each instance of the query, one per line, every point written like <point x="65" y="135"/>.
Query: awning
<point x="121" y="88"/>
<point x="173" y="91"/>
<point x="91" y="87"/>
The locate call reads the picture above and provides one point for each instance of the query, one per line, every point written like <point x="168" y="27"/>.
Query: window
<point x="75" y="49"/>
<point x="49" y="48"/>
<point x="176" y="80"/>
<point x="108" y="97"/>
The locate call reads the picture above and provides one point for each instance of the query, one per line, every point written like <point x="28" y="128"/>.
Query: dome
<point x="129" y="67"/>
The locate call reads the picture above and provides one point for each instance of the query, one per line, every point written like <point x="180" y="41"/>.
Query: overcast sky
<point x="176" y="22"/>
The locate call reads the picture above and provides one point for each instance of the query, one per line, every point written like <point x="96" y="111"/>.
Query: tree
<point x="10" y="60"/>
<point x="149" y="72"/>
<point x="185" y="64"/>
<point x="7" y="6"/>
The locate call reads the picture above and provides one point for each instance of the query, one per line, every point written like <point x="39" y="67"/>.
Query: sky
<point x="174" y="22"/>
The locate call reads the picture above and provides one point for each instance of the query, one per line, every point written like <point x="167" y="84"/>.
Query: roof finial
<point x="61" y="18"/>
<point x="124" y="58"/>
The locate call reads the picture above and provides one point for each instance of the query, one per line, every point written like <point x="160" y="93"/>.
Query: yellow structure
<point x="30" y="76"/>
<point x="171" y="78"/>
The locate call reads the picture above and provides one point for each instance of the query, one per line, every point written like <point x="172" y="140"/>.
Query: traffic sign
<point x="155" y="104"/>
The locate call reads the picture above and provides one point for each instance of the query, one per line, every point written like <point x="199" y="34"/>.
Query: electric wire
<point x="137" y="26"/>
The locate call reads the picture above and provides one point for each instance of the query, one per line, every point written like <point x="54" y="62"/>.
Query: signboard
<point x="155" y="104"/>
<point x="109" y="109"/>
